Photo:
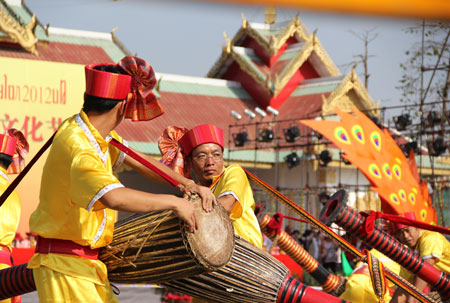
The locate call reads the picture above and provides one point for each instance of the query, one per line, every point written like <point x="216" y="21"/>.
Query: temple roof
<point x="23" y="36"/>
<point x="273" y="59"/>
<point x="191" y="101"/>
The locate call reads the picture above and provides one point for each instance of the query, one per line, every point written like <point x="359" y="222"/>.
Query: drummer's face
<point x="207" y="162"/>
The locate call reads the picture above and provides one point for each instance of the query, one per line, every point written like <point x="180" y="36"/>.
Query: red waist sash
<point x="57" y="246"/>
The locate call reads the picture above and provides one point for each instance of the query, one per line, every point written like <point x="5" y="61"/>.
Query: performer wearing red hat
<point x="433" y="247"/>
<point x="13" y="150"/>
<point x="79" y="193"/>
<point x="201" y="149"/>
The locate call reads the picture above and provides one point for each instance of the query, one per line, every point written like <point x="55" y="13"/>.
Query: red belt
<point x="57" y="246"/>
<point x="5" y="255"/>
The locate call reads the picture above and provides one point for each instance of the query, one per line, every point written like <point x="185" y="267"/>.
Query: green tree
<point x="426" y="68"/>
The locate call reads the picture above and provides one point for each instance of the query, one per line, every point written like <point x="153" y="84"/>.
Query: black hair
<point x="5" y="160"/>
<point x="98" y="104"/>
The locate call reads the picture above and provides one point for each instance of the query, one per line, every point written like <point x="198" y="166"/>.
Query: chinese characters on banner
<point x="35" y="97"/>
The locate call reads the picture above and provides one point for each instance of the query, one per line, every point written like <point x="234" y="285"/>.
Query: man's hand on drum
<point x="185" y="211"/>
<point x="204" y="192"/>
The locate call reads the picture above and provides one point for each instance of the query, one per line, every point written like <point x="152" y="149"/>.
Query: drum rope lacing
<point x="111" y="251"/>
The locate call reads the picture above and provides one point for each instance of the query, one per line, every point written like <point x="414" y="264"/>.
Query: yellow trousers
<point x="55" y="287"/>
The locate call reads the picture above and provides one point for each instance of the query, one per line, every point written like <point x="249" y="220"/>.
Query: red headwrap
<point x="14" y="144"/>
<point x="140" y="80"/>
<point x="201" y="134"/>
<point x="397" y="226"/>
<point x="177" y="142"/>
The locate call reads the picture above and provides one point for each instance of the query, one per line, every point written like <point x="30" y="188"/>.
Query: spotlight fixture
<point x="324" y="158"/>
<point x="410" y="146"/>
<point x="402" y="121"/>
<point x="434" y="118"/>
<point x="376" y="121"/>
<point x="316" y="134"/>
<point x="260" y="112"/>
<point x="236" y="115"/>
<point x="266" y="135"/>
<point x="272" y="110"/>
<point x="292" y="160"/>
<point x="249" y="113"/>
<point x="291" y="134"/>
<point x="323" y="197"/>
<point x="240" y="138"/>
<point x="437" y="146"/>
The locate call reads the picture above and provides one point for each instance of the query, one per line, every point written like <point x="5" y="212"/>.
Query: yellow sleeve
<point x="431" y="245"/>
<point x="117" y="156"/>
<point x="234" y="182"/>
<point x="90" y="180"/>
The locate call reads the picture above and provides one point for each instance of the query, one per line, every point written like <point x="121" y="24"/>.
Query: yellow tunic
<point x="10" y="216"/>
<point x="234" y="181"/>
<point x="431" y="245"/>
<point x="359" y="287"/>
<point x="77" y="173"/>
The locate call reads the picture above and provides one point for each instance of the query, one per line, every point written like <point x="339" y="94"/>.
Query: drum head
<point x="212" y="244"/>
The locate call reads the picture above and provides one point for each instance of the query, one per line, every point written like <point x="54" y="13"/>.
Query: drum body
<point x="156" y="247"/>
<point x="252" y="275"/>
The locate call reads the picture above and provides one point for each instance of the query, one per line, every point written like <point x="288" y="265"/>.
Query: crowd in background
<point x="29" y="241"/>
<point x="321" y="247"/>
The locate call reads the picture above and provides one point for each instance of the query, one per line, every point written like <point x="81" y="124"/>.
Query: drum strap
<point x="144" y="162"/>
<point x="22" y="174"/>
<point x="213" y="185"/>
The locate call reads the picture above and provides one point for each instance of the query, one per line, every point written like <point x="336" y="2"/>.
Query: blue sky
<point x="186" y="37"/>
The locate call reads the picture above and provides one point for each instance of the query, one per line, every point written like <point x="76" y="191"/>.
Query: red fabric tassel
<point x="369" y="225"/>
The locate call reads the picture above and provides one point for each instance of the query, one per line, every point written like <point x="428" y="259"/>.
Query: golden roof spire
<point x="270" y="15"/>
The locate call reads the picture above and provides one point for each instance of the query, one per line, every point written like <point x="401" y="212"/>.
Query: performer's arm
<point x="399" y="296"/>
<point x="419" y="283"/>
<point x="227" y="202"/>
<point x="130" y="200"/>
<point x="189" y="185"/>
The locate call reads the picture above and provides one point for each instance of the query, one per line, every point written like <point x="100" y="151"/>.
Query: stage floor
<point x="128" y="294"/>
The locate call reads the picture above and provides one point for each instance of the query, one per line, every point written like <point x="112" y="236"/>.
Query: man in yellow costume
<point x="79" y="193"/>
<point x="359" y="286"/>
<point x="433" y="247"/>
<point x="13" y="150"/>
<point x="201" y="149"/>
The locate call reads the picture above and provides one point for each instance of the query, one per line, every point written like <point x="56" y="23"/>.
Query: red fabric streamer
<point x="369" y="225"/>
<point x="143" y="104"/>
<point x="171" y="150"/>
<point x="295" y="219"/>
<point x="276" y="223"/>
<point x="22" y="149"/>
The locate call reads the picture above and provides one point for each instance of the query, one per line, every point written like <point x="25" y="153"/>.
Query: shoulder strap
<point x="22" y="174"/>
